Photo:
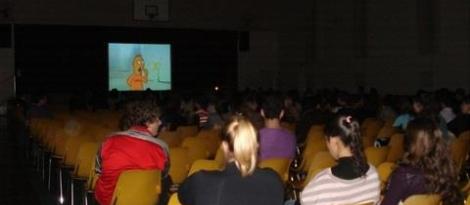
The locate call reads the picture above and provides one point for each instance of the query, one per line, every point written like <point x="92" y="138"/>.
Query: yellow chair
<point x="459" y="149"/>
<point x="385" y="170"/>
<point x="180" y="164"/>
<point x="186" y="131"/>
<point x="204" y="164"/>
<point x="212" y="140"/>
<point x="174" y="200"/>
<point x="321" y="161"/>
<point x="279" y="165"/>
<point x="387" y="131"/>
<point x="396" y="146"/>
<point x="171" y="138"/>
<point x="430" y="199"/>
<point x="311" y="149"/>
<point x="468" y="200"/>
<point x="220" y="156"/>
<point x="196" y="147"/>
<point x="376" y="156"/>
<point x="137" y="187"/>
<point x="369" y="130"/>
<point x="83" y="164"/>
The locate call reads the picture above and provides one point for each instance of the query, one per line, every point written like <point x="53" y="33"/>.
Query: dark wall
<point x="55" y="58"/>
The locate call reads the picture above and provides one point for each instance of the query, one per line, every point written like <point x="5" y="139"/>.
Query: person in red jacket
<point x="134" y="148"/>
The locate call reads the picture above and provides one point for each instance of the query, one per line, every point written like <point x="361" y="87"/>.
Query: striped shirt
<point x="327" y="189"/>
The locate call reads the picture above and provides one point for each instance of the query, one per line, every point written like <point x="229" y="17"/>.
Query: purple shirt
<point x="404" y="182"/>
<point x="276" y="143"/>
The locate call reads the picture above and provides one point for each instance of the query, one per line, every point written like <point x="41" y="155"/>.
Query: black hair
<point x="272" y="107"/>
<point x="348" y="130"/>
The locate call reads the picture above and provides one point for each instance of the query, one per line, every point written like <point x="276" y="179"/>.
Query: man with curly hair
<point x="134" y="148"/>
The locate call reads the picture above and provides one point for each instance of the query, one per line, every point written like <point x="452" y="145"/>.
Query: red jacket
<point x="132" y="149"/>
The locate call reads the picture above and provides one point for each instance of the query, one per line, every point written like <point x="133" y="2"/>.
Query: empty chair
<point x="220" y="156"/>
<point x="369" y="130"/>
<point x="459" y="148"/>
<point x="321" y="161"/>
<point x="376" y="156"/>
<point x="180" y="164"/>
<point x="280" y="165"/>
<point x="171" y="138"/>
<point x="137" y="187"/>
<point x="311" y="149"/>
<point x="396" y="147"/>
<point x="204" y="164"/>
<point x="196" y="148"/>
<point x="384" y="170"/>
<point x="211" y="139"/>
<point x="431" y="199"/>
<point x="186" y="131"/>
<point x="83" y="165"/>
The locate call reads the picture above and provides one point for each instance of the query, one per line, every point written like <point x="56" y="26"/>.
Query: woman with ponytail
<point x="426" y="166"/>
<point x="352" y="180"/>
<point x="241" y="182"/>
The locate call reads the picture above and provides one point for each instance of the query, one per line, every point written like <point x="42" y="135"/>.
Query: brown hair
<point x="139" y="113"/>
<point x="427" y="151"/>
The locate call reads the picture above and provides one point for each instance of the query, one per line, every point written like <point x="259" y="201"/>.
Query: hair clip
<point x="349" y="119"/>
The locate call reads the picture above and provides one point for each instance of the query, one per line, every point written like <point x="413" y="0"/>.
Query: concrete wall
<point x="304" y="43"/>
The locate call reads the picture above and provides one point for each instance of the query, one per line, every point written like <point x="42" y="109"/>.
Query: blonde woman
<point x="241" y="182"/>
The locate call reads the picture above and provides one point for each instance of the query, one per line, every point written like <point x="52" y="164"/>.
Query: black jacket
<point x="228" y="187"/>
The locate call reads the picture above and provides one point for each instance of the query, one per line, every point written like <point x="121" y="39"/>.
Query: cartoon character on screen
<point x="138" y="78"/>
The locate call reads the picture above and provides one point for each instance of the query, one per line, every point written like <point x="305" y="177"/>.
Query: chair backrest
<point x="312" y="148"/>
<point x="279" y="165"/>
<point x="220" y="156"/>
<point x="137" y="187"/>
<point x="397" y="148"/>
<point x="204" y="164"/>
<point x="376" y="155"/>
<point x="171" y="138"/>
<point x="321" y="161"/>
<point x="196" y="147"/>
<point x="384" y="170"/>
<point x="180" y="164"/>
<point x="85" y="157"/>
<point x="387" y="131"/>
<point x="174" y="200"/>
<point x="212" y="140"/>
<point x="468" y="200"/>
<point x="459" y="149"/>
<point x="369" y="130"/>
<point x="72" y="146"/>
<point x="186" y="131"/>
<point x="429" y="199"/>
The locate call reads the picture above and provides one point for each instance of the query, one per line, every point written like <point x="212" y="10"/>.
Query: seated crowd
<point x="280" y="129"/>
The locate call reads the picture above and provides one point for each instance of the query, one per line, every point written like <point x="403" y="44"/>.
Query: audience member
<point x="352" y="180"/>
<point x="462" y="122"/>
<point x="135" y="148"/>
<point x="275" y="142"/>
<point x="426" y="167"/>
<point x="241" y="182"/>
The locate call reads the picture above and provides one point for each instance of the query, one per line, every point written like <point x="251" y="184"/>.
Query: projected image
<point x="138" y="67"/>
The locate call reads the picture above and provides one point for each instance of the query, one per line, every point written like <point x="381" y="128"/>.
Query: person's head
<point x="141" y="113"/>
<point x="272" y="108"/>
<point x="465" y="105"/>
<point x="427" y="151"/>
<point x="138" y="63"/>
<point x="240" y="144"/>
<point x="343" y="139"/>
